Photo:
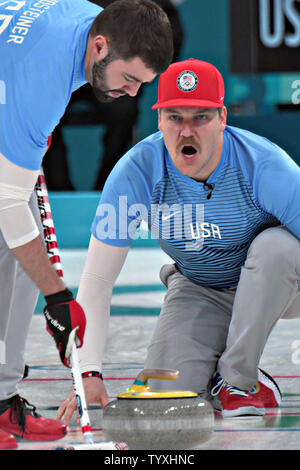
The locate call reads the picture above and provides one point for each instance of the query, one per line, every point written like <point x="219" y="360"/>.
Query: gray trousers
<point x="201" y="330"/>
<point x="18" y="298"/>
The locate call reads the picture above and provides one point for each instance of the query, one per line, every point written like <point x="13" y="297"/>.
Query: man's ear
<point x="99" y="47"/>
<point x="159" y="119"/>
<point x="223" y="118"/>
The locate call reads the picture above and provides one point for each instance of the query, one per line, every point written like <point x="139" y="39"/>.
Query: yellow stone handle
<point x="141" y="389"/>
<point x="160" y="374"/>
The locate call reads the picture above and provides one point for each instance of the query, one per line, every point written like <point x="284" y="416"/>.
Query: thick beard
<point x="99" y="81"/>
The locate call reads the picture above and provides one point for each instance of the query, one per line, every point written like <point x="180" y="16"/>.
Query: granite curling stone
<point x="149" y="419"/>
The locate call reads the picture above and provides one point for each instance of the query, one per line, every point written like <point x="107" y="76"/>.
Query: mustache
<point x="103" y="95"/>
<point x="187" y="141"/>
<point x="99" y="82"/>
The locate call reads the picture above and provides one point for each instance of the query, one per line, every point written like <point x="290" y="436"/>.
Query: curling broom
<point x="54" y="256"/>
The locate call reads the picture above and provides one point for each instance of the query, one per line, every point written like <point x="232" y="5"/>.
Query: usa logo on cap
<point x="187" y="81"/>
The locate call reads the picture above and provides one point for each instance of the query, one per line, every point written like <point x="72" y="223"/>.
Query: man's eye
<point x="201" y="117"/>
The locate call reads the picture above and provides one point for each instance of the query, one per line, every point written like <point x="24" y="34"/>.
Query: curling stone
<point x="149" y="419"/>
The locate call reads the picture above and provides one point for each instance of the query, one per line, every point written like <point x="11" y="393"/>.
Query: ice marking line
<point x="286" y="376"/>
<point x="107" y="366"/>
<point x="46" y="380"/>
<point x="77" y="430"/>
<point x="67" y="379"/>
<point x="56" y="407"/>
<point x="259" y="430"/>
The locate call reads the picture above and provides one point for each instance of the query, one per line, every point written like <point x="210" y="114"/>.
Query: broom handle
<point x="80" y="397"/>
<point x="54" y="257"/>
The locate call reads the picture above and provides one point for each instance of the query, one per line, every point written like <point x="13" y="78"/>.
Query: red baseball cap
<point x="190" y="82"/>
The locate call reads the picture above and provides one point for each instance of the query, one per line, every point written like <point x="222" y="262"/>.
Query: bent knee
<point x="276" y="245"/>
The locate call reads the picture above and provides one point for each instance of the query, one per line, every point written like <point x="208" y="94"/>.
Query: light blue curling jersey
<point x="256" y="185"/>
<point x="42" y="52"/>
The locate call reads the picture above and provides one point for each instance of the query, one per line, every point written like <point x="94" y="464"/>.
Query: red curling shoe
<point x="267" y="390"/>
<point x="19" y="417"/>
<point x="234" y="401"/>
<point x="7" y="441"/>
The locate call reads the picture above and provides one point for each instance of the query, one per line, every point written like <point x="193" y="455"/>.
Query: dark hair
<point x="136" y="28"/>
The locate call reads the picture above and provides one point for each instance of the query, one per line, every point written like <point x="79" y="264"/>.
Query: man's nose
<point x="187" y="129"/>
<point x="132" y="89"/>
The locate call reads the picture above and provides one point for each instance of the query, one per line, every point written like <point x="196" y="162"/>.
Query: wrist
<point x="92" y="373"/>
<point x="59" y="297"/>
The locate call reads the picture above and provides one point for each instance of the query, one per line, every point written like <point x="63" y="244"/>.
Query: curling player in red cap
<point x="223" y="204"/>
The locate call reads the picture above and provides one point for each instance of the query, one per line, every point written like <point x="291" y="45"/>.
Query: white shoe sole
<point x="244" y="412"/>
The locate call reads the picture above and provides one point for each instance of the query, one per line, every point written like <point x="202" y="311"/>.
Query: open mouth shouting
<point x="188" y="152"/>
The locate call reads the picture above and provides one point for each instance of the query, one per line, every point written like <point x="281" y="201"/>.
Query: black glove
<point x="65" y="322"/>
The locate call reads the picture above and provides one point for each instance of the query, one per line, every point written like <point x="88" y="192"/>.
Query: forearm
<point x="34" y="260"/>
<point x="101" y="270"/>
<point x="97" y="309"/>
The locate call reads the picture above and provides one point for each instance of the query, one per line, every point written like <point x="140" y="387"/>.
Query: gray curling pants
<point x="18" y="298"/>
<point x="201" y="330"/>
